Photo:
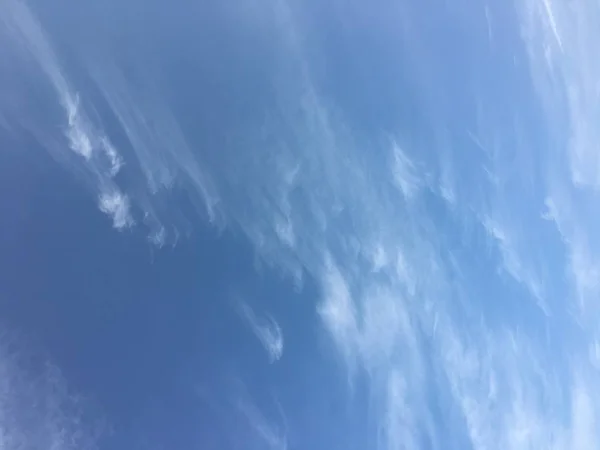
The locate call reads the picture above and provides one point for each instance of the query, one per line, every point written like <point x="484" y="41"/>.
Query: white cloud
<point x="158" y="237"/>
<point x="584" y="421"/>
<point x="268" y="432"/>
<point x="266" y="329"/>
<point x="160" y="150"/>
<point x="501" y="391"/>
<point x="116" y="205"/>
<point x="338" y="310"/>
<point x="36" y="408"/>
<point x="79" y="140"/>
<point x="515" y="265"/>
<point x="399" y="422"/>
<point x="100" y="161"/>
<point x="373" y="331"/>
<point x="115" y="160"/>
<point x="285" y="231"/>
<point x="561" y="40"/>
<point x="568" y="85"/>
<point x="551" y="22"/>
<point x="261" y="425"/>
<point x="405" y="174"/>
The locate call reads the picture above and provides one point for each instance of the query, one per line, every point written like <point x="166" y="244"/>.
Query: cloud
<point x="266" y="329"/>
<point x="584" y="410"/>
<point x="405" y="175"/>
<point x="338" y="310"/>
<point x="159" y="145"/>
<point x="36" y="408"/>
<point x="258" y="422"/>
<point x="568" y="88"/>
<point x="515" y="265"/>
<point x="116" y="205"/>
<point x="399" y="421"/>
<point x="561" y="41"/>
<point x="374" y="334"/>
<point x="160" y="150"/>
<point x="506" y="396"/>
<point x="97" y="161"/>
<point x="266" y="430"/>
<point x="285" y="231"/>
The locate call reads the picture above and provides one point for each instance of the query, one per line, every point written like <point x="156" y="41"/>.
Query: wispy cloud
<point x="99" y="161"/>
<point x="405" y="174"/>
<point x="568" y="88"/>
<point x="256" y="425"/>
<point x="338" y="310"/>
<point x="267" y="431"/>
<point x="266" y="329"/>
<point x="159" y="145"/>
<point x="116" y="205"/>
<point x="561" y="41"/>
<point x="515" y="265"/>
<point x="160" y="150"/>
<point x="36" y="409"/>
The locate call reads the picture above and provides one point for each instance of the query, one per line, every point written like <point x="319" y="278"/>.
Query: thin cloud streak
<point x="161" y="151"/>
<point x="99" y="160"/>
<point x="266" y="329"/>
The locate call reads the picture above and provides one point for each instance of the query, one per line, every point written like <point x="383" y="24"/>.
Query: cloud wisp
<point x="160" y="151"/>
<point x="266" y="329"/>
<point x="95" y="158"/>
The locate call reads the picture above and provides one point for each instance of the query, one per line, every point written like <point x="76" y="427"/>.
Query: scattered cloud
<point x="160" y="150"/>
<point x="158" y="143"/>
<point x="99" y="160"/>
<point x="397" y="285"/>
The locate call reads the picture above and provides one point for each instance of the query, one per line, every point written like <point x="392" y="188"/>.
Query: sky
<point x="284" y="224"/>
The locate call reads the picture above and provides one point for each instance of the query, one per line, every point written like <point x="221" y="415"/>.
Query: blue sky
<point x="283" y="225"/>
